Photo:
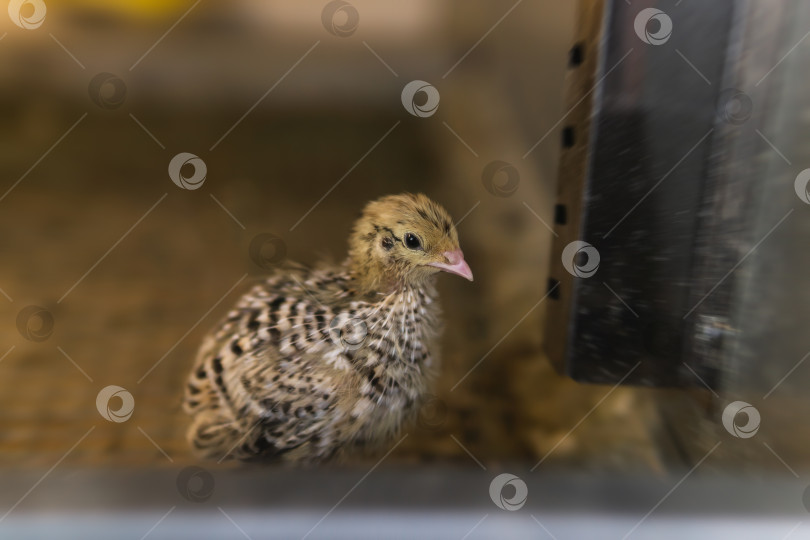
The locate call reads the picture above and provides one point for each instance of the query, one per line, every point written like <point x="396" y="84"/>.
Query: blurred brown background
<point x="288" y="118"/>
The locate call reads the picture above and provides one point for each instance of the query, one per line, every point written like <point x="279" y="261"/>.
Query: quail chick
<point x="312" y="364"/>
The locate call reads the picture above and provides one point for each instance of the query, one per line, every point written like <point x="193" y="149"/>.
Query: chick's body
<point x="311" y="364"/>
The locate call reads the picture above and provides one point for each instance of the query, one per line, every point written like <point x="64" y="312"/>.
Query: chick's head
<point x="403" y="240"/>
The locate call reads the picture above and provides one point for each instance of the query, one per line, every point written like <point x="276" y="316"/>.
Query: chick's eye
<point x="412" y="242"/>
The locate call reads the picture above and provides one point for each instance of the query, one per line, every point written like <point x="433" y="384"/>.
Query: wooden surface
<point x="580" y="80"/>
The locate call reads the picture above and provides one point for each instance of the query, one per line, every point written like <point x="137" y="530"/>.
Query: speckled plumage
<point x="314" y="363"/>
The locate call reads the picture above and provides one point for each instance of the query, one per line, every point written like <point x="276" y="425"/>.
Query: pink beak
<point x="457" y="265"/>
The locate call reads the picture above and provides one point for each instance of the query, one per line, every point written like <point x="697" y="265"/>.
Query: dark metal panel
<point x="653" y="128"/>
<point x="690" y="198"/>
